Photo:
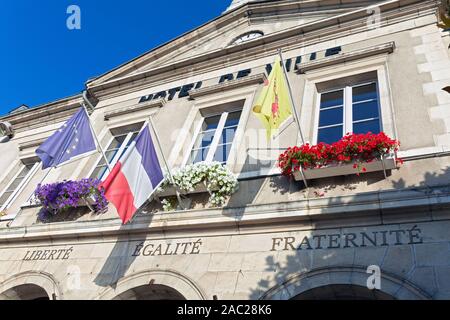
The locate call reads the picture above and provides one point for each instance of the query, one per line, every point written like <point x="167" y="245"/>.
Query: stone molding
<point x="228" y="85"/>
<point x="386" y="48"/>
<point x="50" y="109"/>
<point x="299" y="283"/>
<point x="377" y="208"/>
<point x="159" y="103"/>
<point x="173" y="279"/>
<point x="30" y="144"/>
<point x="241" y="13"/>
<point x="291" y="39"/>
<point x="39" y="278"/>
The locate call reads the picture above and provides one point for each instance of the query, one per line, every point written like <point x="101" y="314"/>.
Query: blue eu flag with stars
<point x="73" y="140"/>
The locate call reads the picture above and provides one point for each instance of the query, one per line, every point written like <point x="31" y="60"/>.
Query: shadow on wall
<point x="430" y="180"/>
<point x="294" y="256"/>
<point x="120" y="258"/>
<point x="69" y="215"/>
<point x="250" y="190"/>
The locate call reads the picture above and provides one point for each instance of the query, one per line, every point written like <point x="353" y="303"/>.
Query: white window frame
<point x="243" y="98"/>
<point x="217" y="136"/>
<point x="19" y="188"/>
<point x="116" y="157"/>
<point x="347" y="124"/>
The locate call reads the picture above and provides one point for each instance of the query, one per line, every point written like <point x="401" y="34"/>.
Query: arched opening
<point x="154" y="285"/>
<point x="151" y="292"/>
<point x="343" y="282"/>
<point x="25" y="292"/>
<point x="342" y="292"/>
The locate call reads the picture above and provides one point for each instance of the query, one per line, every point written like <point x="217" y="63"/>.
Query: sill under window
<point x="335" y="170"/>
<point x="8" y="217"/>
<point x="30" y="205"/>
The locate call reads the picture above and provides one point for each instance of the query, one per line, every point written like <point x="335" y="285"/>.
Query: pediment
<point x="270" y="18"/>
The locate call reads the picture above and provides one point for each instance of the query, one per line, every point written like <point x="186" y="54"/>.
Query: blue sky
<point x="42" y="60"/>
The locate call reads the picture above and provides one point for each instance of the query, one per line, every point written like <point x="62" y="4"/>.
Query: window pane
<point x="227" y="138"/>
<point x="4" y="197"/>
<point x="332" y="99"/>
<point x="111" y="152"/>
<point x="230" y="128"/>
<point x="233" y="119"/>
<point x="366" y="92"/>
<point x="133" y="137"/>
<point x="228" y="135"/>
<point x="15" y="183"/>
<point x="117" y="142"/>
<point x="222" y="152"/>
<point x="211" y="123"/>
<point x="199" y="155"/>
<point x="330" y="135"/>
<point x="367" y="126"/>
<point x="26" y="170"/>
<point x="366" y="110"/>
<point x="110" y="155"/>
<point x="209" y="131"/>
<point x="99" y="172"/>
<point x="204" y="139"/>
<point x="331" y="116"/>
<point x="101" y="162"/>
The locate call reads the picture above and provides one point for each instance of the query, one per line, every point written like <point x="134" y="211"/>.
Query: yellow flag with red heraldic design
<point x="273" y="106"/>
<point x="444" y="16"/>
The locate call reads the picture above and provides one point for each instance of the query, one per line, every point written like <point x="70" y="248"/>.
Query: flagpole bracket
<point x="184" y="203"/>
<point x="303" y="177"/>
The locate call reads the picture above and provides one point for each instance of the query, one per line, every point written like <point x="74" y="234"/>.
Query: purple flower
<point x="71" y="194"/>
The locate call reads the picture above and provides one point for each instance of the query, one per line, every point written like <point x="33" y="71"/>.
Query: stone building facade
<point x="275" y="238"/>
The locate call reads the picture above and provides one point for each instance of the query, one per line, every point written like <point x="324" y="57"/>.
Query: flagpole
<point x="150" y="123"/>
<point x="97" y="140"/>
<point x="296" y="116"/>
<point x="158" y="141"/>
<point x="160" y="149"/>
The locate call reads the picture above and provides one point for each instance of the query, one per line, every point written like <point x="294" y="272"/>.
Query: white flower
<point x="214" y="175"/>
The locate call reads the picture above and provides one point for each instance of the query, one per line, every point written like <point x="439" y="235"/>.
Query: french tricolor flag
<point x="135" y="176"/>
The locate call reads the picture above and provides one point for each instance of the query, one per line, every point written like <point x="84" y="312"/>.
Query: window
<point x="18" y="183"/>
<point x="353" y="109"/>
<point x="215" y="138"/>
<point x="116" y="148"/>
<point x="247" y="37"/>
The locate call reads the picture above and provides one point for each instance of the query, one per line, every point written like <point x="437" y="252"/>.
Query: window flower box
<point x="198" y="188"/>
<point x="353" y="154"/>
<point x="88" y="201"/>
<point x="202" y="177"/>
<point x="333" y="170"/>
<point x="61" y="196"/>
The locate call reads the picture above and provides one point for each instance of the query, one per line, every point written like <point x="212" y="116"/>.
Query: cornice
<point x="159" y="103"/>
<point x="346" y="57"/>
<point x="30" y="144"/>
<point x="287" y="9"/>
<point x="229" y="85"/>
<point x="56" y="110"/>
<point x="246" y="11"/>
<point x="291" y="39"/>
<point x="395" y="206"/>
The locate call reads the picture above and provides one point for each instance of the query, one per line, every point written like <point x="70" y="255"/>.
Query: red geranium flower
<point x="358" y="148"/>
